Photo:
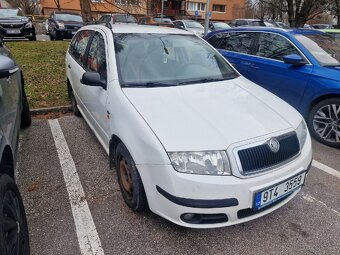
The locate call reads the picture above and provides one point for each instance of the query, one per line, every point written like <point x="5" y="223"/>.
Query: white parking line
<point x="326" y="169"/>
<point x="311" y="199"/>
<point x="88" y="238"/>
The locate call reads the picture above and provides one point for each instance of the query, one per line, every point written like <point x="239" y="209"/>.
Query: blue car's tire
<point x="324" y="122"/>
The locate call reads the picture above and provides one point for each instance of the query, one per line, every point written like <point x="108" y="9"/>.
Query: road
<point x="308" y="224"/>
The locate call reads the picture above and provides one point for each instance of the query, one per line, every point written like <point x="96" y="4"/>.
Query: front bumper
<point x="18" y="32"/>
<point x="172" y="194"/>
<point x="65" y="33"/>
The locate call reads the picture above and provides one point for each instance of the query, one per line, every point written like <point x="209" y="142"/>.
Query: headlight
<point x="60" y="24"/>
<point x="202" y="162"/>
<point x="28" y="25"/>
<point x="301" y="133"/>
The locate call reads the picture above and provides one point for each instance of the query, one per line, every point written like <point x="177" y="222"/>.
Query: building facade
<point x="98" y="7"/>
<point x="220" y="10"/>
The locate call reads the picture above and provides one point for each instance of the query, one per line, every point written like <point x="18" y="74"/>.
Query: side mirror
<point x="294" y="60"/>
<point x="7" y="67"/>
<point x="93" y="79"/>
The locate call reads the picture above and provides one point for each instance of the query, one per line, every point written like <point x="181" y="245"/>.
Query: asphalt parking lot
<point x="309" y="224"/>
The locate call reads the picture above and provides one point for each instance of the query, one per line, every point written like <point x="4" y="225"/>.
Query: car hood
<point x="211" y="116"/>
<point x="73" y="23"/>
<point x="14" y="20"/>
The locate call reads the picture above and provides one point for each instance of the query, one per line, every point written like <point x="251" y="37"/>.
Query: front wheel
<point x="13" y="224"/>
<point x="130" y="182"/>
<point x="324" y="122"/>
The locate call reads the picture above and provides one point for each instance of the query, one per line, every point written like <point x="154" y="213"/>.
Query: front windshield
<point x="325" y="48"/>
<point x="68" y="17"/>
<point x="155" y="60"/>
<point x="125" y="19"/>
<point x="193" y="24"/>
<point x="8" y="13"/>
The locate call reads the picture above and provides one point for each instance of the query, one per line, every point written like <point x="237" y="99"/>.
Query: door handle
<point x="69" y="66"/>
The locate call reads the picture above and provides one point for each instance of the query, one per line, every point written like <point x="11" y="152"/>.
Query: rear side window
<point x="274" y="46"/>
<point x="78" y="46"/>
<point x="238" y="42"/>
<point x="241" y="23"/>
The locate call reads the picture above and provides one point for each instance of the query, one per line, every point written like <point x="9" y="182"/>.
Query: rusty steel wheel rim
<point x="125" y="177"/>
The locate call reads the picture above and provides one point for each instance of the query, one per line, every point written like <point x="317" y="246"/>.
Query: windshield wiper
<point x="150" y="84"/>
<point x="205" y="80"/>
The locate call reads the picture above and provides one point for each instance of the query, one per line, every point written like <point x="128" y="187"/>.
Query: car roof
<point x="132" y="28"/>
<point x="279" y="30"/>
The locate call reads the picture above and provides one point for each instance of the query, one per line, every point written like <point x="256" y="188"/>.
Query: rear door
<point x="267" y="68"/>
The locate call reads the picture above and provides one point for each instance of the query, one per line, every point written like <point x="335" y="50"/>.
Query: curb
<point x="64" y="108"/>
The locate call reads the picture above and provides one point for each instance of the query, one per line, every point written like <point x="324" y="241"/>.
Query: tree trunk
<point x="86" y="12"/>
<point x="337" y="3"/>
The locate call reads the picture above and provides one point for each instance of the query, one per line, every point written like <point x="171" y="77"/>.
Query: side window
<point x="80" y="45"/>
<point x="274" y="46"/>
<point x="96" y="58"/>
<point x="238" y="42"/>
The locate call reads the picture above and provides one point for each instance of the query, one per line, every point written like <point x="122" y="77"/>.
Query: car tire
<point x="13" y="222"/>
<point x="51" y="37"/>
<point x="73" y="102"/>
<point x="32" y="38"/>
<point x="130" y="182"/>
<point x="26" y="119"/>
<point x="324" y="122"/>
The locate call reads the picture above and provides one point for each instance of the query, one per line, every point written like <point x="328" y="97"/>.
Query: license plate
<point x="279" y="191"/>
<point x="13" y="31"/>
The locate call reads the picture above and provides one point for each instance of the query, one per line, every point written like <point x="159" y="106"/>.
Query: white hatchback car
<point x="189" y="136"/>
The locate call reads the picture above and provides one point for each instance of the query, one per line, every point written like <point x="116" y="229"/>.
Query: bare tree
<point x="57" y="4"/>
<point x="86" y="12"/>
<point x="337" y="12"/>
<point x="28" y="6"/>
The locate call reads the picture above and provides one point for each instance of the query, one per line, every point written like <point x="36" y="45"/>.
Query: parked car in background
<point x="190" y="25"/>
<point x="276" y="24"/>
<point x="117" y="18"/>
<point x="156" y="21"/>
<point x="183" y="128"/>
<point x="14" y="25"/>
<point x="214" y="26"/>
<point x="302" y="66"/>
<point x="247" y="23"/>
<point x="14" y="113"/>
<point x="322" y="26"/>
<point x="333" y="32"/>
<point x="63" y="25"/>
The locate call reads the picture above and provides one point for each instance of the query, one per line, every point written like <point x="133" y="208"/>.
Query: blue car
<point x="301" y="66"/>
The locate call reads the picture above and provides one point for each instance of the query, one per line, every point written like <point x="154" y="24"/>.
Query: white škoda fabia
<point x="190" y="138"/>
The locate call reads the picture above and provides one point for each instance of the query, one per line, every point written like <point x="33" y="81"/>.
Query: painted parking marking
<point x="326" y="169"/>
<point x="311" y="199"/>
<point x="87" y="234"/>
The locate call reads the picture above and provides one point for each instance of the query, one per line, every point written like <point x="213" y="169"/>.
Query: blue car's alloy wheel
<point x="324" y="122"/>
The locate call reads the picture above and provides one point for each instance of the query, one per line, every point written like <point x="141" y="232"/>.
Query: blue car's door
<point x="266" y="68"/>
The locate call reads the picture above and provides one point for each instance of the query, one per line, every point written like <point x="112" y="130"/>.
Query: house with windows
<point x="220" y="10"/>
<point x="98" y="7"/>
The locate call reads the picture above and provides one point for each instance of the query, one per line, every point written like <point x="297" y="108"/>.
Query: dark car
<point x="301" y="66"/>
<point x="64" y="25"/>
<point x="247" y="23"/>
<point x="117" y="18"/>
<point x="14" y="24"/>
<point x="14" y="113"/>
<point x="214" y="26"/>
